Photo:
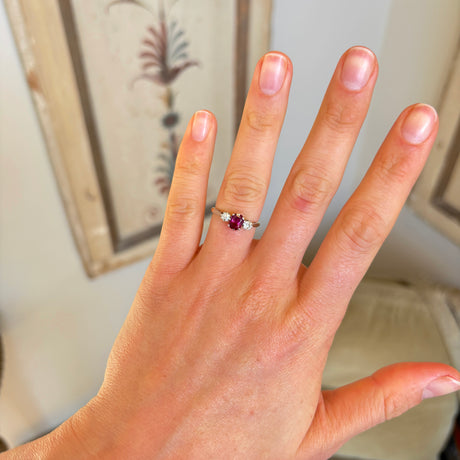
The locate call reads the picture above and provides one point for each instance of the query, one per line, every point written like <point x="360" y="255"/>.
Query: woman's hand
<point x="223" y="350"/>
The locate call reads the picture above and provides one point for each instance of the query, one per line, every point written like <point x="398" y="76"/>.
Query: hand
<point x="222" y="353"/>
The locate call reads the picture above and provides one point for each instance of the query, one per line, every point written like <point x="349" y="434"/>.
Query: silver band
<point x="235" y="221"/>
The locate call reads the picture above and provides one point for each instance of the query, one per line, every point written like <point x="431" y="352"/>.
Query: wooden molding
<point x="55" y="83"/>
<point x="436" y="195"/>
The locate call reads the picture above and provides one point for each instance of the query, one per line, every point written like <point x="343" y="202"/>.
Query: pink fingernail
<point x="272" y="73"/>
<point x="200" y="125"/>
<point x="357" y="68"/>
<point x="418" y="124"/>
<point x="440" y="386"/>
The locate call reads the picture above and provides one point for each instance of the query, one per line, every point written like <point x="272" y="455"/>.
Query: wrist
<point x="58" y="444"/>
<point x="85" y="435"/>
<point x="79" y="437"/>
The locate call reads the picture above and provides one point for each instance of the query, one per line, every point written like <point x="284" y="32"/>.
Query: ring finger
<point x="247" y="176"/>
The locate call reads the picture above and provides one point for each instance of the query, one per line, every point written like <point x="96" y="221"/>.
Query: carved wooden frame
<point x="42" y="40"/>
<point x="429" y="198"/>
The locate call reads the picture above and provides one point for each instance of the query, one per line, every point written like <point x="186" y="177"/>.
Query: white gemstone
<point x="225" y="216"/>
<point x="247" y="225"/>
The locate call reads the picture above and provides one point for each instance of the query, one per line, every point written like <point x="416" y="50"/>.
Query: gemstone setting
<point x="247" y="225"/>
<point x="225" y="216"/>
<point x="236" y="221"/>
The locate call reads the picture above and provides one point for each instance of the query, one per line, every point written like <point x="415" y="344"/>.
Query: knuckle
<point x="363" y="229"/>
<point x="192" y="166"/>
<point x="311" y="187"/>
<point x="390" y="405"/>
<point x="256" y="301"/>
<point x="384" y="403"/>
<point x="252" y="305"/>
<point x="310" y="317"/>
<point x="260" y="122"/>
<point x="183" y="208"/>
<point x="393" y="167"/>
<point x="298" y="323"/>
<point x="338" y="118"/>
<point x="241" y="187"/>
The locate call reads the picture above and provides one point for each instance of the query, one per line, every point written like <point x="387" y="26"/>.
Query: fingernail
<point x="272" y="73"/>
<point x="357" y="68"/>
<point x="441" y="386"/>
<point x="418" y="124"/>
<point x="200" y="125"/>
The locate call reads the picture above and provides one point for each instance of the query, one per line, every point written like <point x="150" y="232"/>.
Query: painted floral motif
<point x="164" y="55"/>
<point x="163" y="58"/>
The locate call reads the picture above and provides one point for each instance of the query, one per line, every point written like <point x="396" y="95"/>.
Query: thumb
<point x="391" y="391"/>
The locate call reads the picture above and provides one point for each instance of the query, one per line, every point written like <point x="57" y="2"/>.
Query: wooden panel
<point x="447" y="193"/>
<point x="110" y="121"/>
<point x="436" y="196"/>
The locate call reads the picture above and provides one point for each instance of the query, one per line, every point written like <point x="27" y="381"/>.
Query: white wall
<point x="415" y="41"/>
<point x="58" y="326"/>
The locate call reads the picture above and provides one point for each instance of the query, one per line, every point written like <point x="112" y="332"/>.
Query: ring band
<point x="235" y="221"/>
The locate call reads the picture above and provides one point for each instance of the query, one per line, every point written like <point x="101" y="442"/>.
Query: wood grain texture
<point x="64" y="110"/>
<point x="436" y="194"/>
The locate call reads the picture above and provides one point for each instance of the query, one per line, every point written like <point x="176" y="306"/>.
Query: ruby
<point x="236" y="221"/>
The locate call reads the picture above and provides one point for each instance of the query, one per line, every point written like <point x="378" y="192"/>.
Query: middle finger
<point x="317" y="172"/>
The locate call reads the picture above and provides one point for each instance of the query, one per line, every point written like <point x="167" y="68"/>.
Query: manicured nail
<point x="418" y="124"/>
<point x="200" y="125"/>
<point x="357" y="68"/>
<point x="272" y="73"/>
<point x="441" y="386"/>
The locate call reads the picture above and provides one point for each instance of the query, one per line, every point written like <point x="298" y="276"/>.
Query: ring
<point x="235" y="221"/>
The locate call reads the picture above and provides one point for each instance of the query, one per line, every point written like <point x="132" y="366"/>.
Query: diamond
<point x="236" y="221"/>
<point x="225" y="216"/>
<point x="247" y="225"/>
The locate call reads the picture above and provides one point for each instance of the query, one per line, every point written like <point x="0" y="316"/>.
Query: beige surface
<point x="433" y="175"/>
<point x="388" y="323"/>
<point x="127" y="117"/>
<point x="452" y="193"/>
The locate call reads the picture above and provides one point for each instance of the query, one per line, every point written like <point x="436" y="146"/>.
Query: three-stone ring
<point x="235" y="221"/>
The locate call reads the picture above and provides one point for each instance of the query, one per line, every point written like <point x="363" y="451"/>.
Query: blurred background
<point x="58" y="325"/>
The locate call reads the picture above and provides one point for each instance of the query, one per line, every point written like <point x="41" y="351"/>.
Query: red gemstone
<point x="236" y="221"/>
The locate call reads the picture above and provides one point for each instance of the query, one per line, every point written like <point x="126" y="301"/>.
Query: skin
<point x="222" y="352"/>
